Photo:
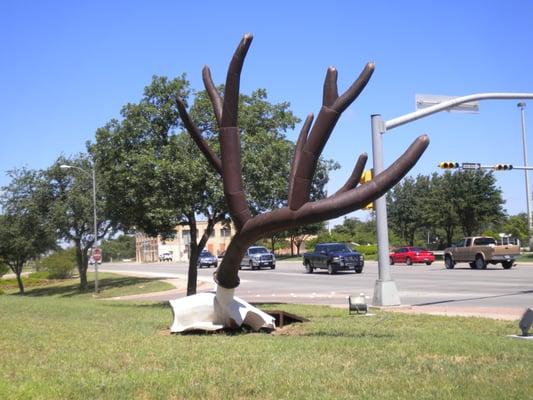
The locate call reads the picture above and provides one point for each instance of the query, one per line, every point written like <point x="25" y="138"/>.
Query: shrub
<point x="4" y="269"/>
<point x="59" y="265"/>
<point x="367" y="249"/>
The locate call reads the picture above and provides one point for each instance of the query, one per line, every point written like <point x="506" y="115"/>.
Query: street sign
<point x="97" y="254"/>
<point x="470" y="165"/>
<point x="428" y="100"/>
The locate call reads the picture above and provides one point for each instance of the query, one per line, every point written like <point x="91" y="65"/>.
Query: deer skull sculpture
<point x="208" y="311"/>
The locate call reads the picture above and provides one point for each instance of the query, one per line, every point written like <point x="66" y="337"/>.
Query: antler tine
<point x="325" y="122"/>
<point x="231" y="91"/>
<point x="302" y="138"/>
<point x="330" y="93"/>
<point x="355" y="90"/>
<point x="230" y="142"/>
<point x="197" y="137"/>
<point x="346" y="202"/>
<point x="212" y="91"/>
<point x="354" y="178"/>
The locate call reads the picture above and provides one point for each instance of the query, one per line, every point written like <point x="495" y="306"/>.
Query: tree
<point x="24" y="231"/>
<point x="406" y="207"/>
<point x="70" y="199"/>
<point x="156" y="178"/>
<point x="119" y="248"/>
<point x="516" y="226"/>
<point x="476" y="200"/>
<point x="362" y="232"/>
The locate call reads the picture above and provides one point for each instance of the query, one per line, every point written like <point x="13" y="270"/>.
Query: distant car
<point x="206" y="259"/>
<point x="410" y="255"/>
<point x="165" y="257"/>
<point x="257" y="257"/>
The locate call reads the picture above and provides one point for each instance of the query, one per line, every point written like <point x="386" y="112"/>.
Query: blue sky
<point x="67" y="67"/>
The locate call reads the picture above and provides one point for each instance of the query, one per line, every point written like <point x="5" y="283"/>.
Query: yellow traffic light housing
<point x="502" y="167"/>
<point x="366" y="176"/>
<point x="448" y="164"/>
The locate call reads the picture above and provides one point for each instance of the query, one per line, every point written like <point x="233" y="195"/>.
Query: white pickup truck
<point x="479" y="251"/>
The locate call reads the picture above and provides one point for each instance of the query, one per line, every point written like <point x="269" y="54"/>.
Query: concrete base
<point x="211" y="312"/>
<point x="386" y="294"/>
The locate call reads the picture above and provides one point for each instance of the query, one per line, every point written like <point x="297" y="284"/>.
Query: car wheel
<point x="391" y="261"/>
<point x="308" y="267"/>
<point x="252" y="265"/>
<point x="358" y="270"/>
<point x="480" y="262"/>
<point x="331" y="270"/>
<point x="448" y="262"/>
<point x="272" y="266"/>
<point x="408" y="261"/>
<point x="472" y="265"/>
<point x="428" y="262"/>
<point x="507" y="264"/>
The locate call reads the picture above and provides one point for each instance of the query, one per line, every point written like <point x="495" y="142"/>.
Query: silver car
<point x="257" y="257"/>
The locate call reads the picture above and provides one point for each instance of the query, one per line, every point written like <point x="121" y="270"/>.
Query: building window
<point x="225" y="232"/>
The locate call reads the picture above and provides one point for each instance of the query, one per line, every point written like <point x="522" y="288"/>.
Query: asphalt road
<point x="418" y="285"/>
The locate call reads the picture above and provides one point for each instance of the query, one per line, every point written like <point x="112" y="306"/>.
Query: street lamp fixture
<point x="95" y="227"/>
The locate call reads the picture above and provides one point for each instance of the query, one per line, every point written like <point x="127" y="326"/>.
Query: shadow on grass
<point x="72" y="290"/>
<point x="144" y="304"/>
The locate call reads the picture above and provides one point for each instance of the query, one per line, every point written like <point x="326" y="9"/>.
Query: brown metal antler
<point x="311" y="141"/>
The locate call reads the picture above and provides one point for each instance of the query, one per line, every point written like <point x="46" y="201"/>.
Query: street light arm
<point x="65" y="166"/>
<point x="404" y="119"/>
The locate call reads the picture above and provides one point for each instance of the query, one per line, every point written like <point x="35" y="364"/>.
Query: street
<point x="418" y="285"/>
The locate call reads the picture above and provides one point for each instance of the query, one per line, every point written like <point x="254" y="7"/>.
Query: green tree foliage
<point x="464" y="202"/>
<point x="156" y="178"/>
<point x="119" y="248"/>
<point x="361" y="232"/>
<point x="25" y="233"/>
<point x="71" y="210"/>
<point x="477" y="200"/>
<point x="4" y="269"/>
<point x="408" y="213"/>
<point x="60" y="264"/>
<point x="516" y="226"/>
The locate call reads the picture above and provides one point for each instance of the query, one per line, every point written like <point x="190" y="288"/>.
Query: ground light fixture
<point x="357" y="304"/>
<point x="526" y="321"/>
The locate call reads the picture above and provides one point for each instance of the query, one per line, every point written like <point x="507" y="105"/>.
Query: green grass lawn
<point x="109" y="285"/>
<point x="61" y="347"/>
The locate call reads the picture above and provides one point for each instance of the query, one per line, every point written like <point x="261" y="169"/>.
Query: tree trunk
<point x="192" y="274"/>
<point x="82" y="266"/>
<point x="19" y="280"/>
<point x="292" y="245"/>
<point x="298" y="245"/>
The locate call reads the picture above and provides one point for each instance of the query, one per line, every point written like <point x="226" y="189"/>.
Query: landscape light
<point x="526" y="321"/>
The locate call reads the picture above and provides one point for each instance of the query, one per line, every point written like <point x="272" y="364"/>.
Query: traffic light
<point x="368" y="207"/>
<point x="366" y="176"/>
<point x="502" y="167"/>
<point x="448" y="164"/>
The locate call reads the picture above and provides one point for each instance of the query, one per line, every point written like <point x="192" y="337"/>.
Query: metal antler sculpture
<point x="210" y="311"/>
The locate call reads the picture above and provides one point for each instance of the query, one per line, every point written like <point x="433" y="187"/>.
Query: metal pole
<point x="95" y="245"/>
<point x="522" y="105"/>
<point x="385" y="292"/>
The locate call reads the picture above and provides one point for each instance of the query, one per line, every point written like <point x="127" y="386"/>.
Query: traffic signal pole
<point x="385" y="291"/>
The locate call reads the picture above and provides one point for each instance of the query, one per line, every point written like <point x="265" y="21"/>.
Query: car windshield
<point x="339" y="248"/>
<point x="206" y="254"/>
<point x="258" y="250"/>
<point x="418" y="249"/>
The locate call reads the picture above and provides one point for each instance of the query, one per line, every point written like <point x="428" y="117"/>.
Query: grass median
<point x="78" y="347"/>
